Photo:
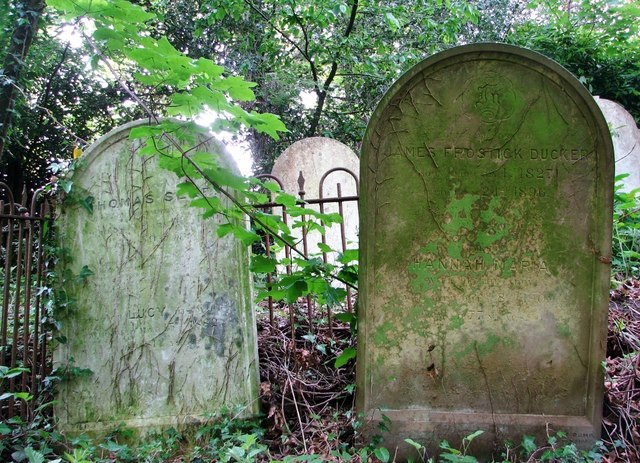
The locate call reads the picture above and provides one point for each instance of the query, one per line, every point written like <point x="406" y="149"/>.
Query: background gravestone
<point x="486" y="201"/>
<point x="626" y="141"/>
<point x="315" y="157"/>
<point x="165" y="321"/>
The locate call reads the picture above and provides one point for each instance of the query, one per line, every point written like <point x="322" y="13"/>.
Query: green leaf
<point x="271" y="186"/>
<point x="287" y="200"/>
<point x="239" y="89"/>
<point x="347" y="354"/>
<point x="392" y="21"/>
<point x="414" y="444"/>
<point x="268" y="123"/>
<point x="382" y="454"/>
<point x="350" y="255"/>
<point x="245" y="236"/>
<point x="85" y="272"/>
<point x="187" y="189"/>
<point x="209" y="67"/>
<point x="324" y="247"/>
<point x="298" y="289"/>
<point x="87" y="203"/>
<point x="33" y="455"/>
<point x="473" y="435"/>
<point x="333" y="296"/>
<point x="263" y="264"/>
<point x="23" y="396"/>
<point x="345" y="317"/>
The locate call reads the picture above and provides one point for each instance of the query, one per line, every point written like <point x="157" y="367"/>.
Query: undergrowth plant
<point x="625" y="261"/>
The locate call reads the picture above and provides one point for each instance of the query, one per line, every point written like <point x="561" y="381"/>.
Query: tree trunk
<point x="28" y="14"/>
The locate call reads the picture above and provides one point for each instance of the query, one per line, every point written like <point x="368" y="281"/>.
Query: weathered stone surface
<point x="315" y="157"/>
<point x="626" y="141"/>
<point x="485" y="247"/>
<point x="165" y="321"/>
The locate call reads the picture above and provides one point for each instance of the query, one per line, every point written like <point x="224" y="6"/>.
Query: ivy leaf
<point x="342" y="359"/>
<point x="382" y="454"/>
<point x="85" y="272"/>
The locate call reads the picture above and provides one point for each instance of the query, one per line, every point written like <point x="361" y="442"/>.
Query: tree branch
<point x="29" y="12"/>
<point x="312" y="64"/>
<point x="277" y="29"/>
<point x="322" y="93"/>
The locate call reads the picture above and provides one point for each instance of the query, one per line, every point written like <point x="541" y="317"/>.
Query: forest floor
<point x="309" y="404"/>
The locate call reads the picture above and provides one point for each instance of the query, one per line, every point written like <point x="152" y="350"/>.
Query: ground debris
<point x="621" y="422"/>
<point x="308" y="403"/>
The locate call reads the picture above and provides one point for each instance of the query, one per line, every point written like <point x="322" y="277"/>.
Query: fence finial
<point x="301" y="185"/>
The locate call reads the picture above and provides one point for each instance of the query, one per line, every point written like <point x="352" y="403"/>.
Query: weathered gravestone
<point x="626" y="141"/>
<point x="485" y="248"/>
<point x="326" y="165"/>
<point x="165" y="320"/>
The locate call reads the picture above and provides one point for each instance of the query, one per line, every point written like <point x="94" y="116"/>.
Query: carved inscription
<point x="458" y="152"/>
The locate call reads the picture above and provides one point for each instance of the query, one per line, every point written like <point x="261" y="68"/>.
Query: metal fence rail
<point x="23" y="336"/>
<point x="304" y="247"/>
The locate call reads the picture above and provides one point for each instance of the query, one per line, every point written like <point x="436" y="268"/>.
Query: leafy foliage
<point x="598" y="41"/>
<point x="625" y="262"/>
<point x="321" y="65"/>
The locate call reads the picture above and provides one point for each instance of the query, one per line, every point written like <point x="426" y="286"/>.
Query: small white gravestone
<point x="330" y="169"/>
<point x="626" y="141"/>
<point x="165" y="321"/>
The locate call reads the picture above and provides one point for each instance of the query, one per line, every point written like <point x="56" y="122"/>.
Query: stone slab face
<point x="315" y="157"/>
<point x="485" y="247"/>
<point x="165" y="322"/>
<point x="626" y="141"/>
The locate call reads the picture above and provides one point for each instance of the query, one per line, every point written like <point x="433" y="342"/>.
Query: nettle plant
<point x="123" y="38"/>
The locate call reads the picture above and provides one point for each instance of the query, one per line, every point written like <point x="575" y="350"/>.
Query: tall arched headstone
<point x="164" y="316"/>
<point x="486" y="201"/>
<point x="626" y="141"/>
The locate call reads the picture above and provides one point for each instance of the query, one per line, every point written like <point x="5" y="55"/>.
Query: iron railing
<point x="303" y="246"/>
<point x="23" y="335"/>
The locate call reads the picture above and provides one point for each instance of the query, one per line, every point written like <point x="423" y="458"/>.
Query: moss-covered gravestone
<point x="161" y="308"/>
<point x="485" y="231"/>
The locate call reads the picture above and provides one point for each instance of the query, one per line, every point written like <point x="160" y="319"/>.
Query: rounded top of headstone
<point x="204" y="141"/>
<point x="626" y="141"/>
<point x="615" y="111"/>
<point x="314" y="157"/>
<point x="471" y="66"/>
